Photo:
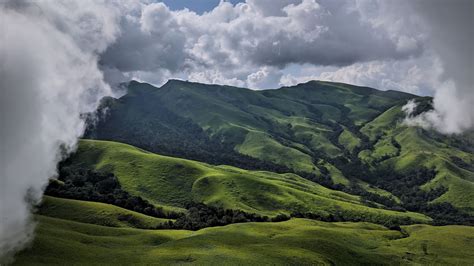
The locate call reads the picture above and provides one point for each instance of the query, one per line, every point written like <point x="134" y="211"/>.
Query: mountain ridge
<point x="335" y="134"/>
<point x="172" y="82"/>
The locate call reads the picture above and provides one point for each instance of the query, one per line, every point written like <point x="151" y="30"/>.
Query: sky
<point x="263" y="44"/>
<point x="59" y="58"/>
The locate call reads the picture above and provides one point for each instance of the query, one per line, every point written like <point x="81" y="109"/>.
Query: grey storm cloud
<point x="148" y="42"/>
<point x="327" y="34"/>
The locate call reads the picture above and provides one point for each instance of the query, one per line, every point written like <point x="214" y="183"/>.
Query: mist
<point x="49" y="76"/>
<point x="451" y="36"/>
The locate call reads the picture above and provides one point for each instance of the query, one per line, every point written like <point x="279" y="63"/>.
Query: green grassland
<point x="373" y="189"/>
<point x="419" y="148"/>
<point x="280" y="126"/>
<point x="291" y="126"/>
<point x="383" y="123"/>
<point x="174" y="182"/>
<point x="348" y="140"/>
<point x="336" y="176"/>
<point x="96" y="213"/>
<point x="302" y="127"/>
<point x="261" y="145"/>
<point x="297" y="241"/>
<point x="307" y="128"/>
<point x="422" y="151"/>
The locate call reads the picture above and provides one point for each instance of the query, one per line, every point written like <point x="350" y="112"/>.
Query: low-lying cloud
<point x="48" y="77"/>
<point x="451" y="34"/>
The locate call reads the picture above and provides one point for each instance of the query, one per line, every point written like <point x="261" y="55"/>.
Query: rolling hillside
<point x="297" y="241"/>
<point x="328" y="172"/>
<point x="174" y="182"/>
<point x="422" y="148"/>
<point x="289" y="125"/>
<point x="96" y="213"/>
<point x="330" y="130"/>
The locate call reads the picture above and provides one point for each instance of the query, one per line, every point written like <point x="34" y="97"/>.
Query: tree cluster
<point x="348" y="216"/>
<point x="200" y="215"/>
<point x="86" y="184"/>
<point x="406" y="186"/>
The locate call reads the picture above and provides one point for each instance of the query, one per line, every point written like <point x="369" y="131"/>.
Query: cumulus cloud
<point x="422" y="47"/>
<point x="416" y="75"/>
<point x="150" y="41"/>
<point x="236" y="42"/>
<point x="48" y="77"/>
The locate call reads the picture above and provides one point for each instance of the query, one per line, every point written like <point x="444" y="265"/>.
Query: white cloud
<point x="417" y="76"/>
<point x="215" y="77"/>
<point x="237" y="41"/>
<point x="48" y="77"/>
<point x="451" y="36"/>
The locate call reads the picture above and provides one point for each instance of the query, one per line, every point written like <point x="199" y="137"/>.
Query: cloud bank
<point x="48" y="76"/>
<point x="232" y="44"/>
<point x="451" y="31"/>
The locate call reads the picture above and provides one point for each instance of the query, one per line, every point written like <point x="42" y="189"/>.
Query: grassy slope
<point x="276" y="125"/>
<point x="224" y="111"/>
<point x="378" y="191"/>
<point x="336" y="175"/>
<point x="420" y="149"/>
<point x="173" y="181"/>
<point x="297" y="241"/>
<point x="284" y="126"/>
<point x="260" y="145"/>
<point x="348" y="140"/>
<point x="96" y="213"/>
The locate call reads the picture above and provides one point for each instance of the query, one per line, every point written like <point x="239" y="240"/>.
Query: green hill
<point x="96" y="213"/>
<point x="320" y="150"/>
<point x="316" y="128"/>
<point x="288" y="125"/>
<point x="422" y="148"/>
<point x="297" y="241"/>
<point x="175" y="182"/>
